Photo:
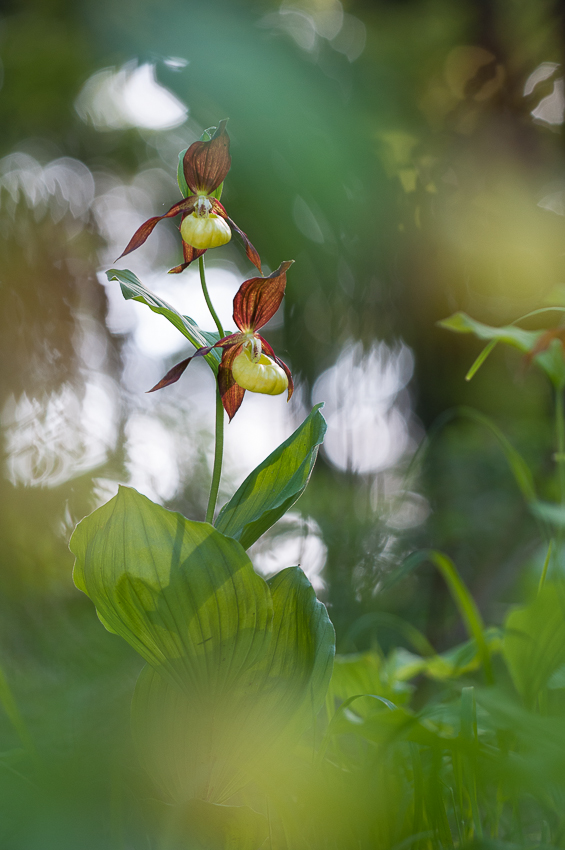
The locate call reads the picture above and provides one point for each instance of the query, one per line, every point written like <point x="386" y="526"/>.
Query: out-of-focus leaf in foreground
<point x="236" y="665"/>
<point x="195" y="745"/>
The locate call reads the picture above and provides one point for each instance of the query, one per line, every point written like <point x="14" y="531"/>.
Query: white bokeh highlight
<point x="130" y="96"/>
<point x="367" y="430"/>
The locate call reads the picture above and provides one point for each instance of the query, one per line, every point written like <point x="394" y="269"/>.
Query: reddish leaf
<point x="230" y="391"/>
<point x="268" y="350"/>
<point x="205" y="164"/>
<point x="141" y="234"/>
<point x="250" y="250"/>
<point x="259" y="298"/>
<point x="172" y="375"/>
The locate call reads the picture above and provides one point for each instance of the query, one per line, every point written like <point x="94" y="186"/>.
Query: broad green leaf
<point x="551" y="360"/>
<point x="193" y="744"/>
<point x="275" y="485"/>
<point x="133" y="289"/>
<point x="534" y="641"/>
<point x="183" y="595"/>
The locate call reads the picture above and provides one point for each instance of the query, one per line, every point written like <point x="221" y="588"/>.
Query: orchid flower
<point x="204" y="222"/>
<point x="248" y="361"/>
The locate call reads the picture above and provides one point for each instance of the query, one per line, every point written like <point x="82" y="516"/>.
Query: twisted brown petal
<point x="172" y="376"/>
<point x="250" y="250"/>
<point x="268" y="349"/>
<point x="230" y="391"/>
<point x="141" y="234"/>
<point x="259" y="298"/>
<point x="205" y="164"/>
<point x="189" y="253"/>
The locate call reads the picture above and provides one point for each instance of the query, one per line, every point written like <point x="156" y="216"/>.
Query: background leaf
<point x="551" y="360"/>
<point x="534" y="641"/>
<point x="275" y="485"/>
<point x="197" y="744"/>
<point x="133" y="289"/>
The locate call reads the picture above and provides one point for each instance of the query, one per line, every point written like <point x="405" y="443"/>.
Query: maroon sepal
<point x="206" y="164"/>
<point x="258" y="299"/>
<point x="545" y="341"/>
<point x="267" y="348"/>
<point x="250" y="250"/>
<point x="230" y="391"/>
<point x="189" y="253"/>
<point x="172" y="376"/>
<point x="141" y="234"/>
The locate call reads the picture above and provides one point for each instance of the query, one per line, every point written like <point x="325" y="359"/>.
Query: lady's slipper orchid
<point x="248" y="361"/>
<point x="205" y="223"/>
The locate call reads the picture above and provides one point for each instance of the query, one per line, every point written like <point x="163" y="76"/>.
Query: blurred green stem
<point x="219" y="441"/>
<point x="560" y="456"/>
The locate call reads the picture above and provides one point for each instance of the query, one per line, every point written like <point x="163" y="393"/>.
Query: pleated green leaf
<point x="275" y="485"/>
<point x="133" y="289"/>
<point x="195" y="745"/>
<point x="180" y="592"/>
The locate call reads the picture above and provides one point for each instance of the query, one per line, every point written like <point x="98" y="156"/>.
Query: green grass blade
<point x="481" y="359"/>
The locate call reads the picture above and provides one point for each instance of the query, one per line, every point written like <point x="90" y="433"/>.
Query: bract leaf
<point x="275" y="485"/>
<point x="194" y="744"/>
<point x="183" y="185"/>
<point x="133" y="289"/>
<point x="534" y="641"/>
<point x="550" y="360"/>
<point x="183" y="595"/>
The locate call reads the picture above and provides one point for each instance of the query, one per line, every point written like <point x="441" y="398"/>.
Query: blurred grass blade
<point x="480" y="359"/>
<point x="274" y="486"/>
<point x="10" y="706"/>
<point x="518" y="465"/>
<point x="461" y="596"/>
<point x="545" y="566"/>
<point x="469" y="734"/>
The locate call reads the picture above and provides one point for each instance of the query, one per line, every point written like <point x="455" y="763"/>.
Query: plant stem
<point x="207" y="297"/>
<point x="219" y="438"/>
<point x="218" y="454"/>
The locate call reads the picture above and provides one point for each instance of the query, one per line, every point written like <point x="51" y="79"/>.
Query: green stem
<point x="207" y="297"/>
<point x="560" y="432"/>
<point x="219" y="439"/>
<point x="218" y="454"/>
